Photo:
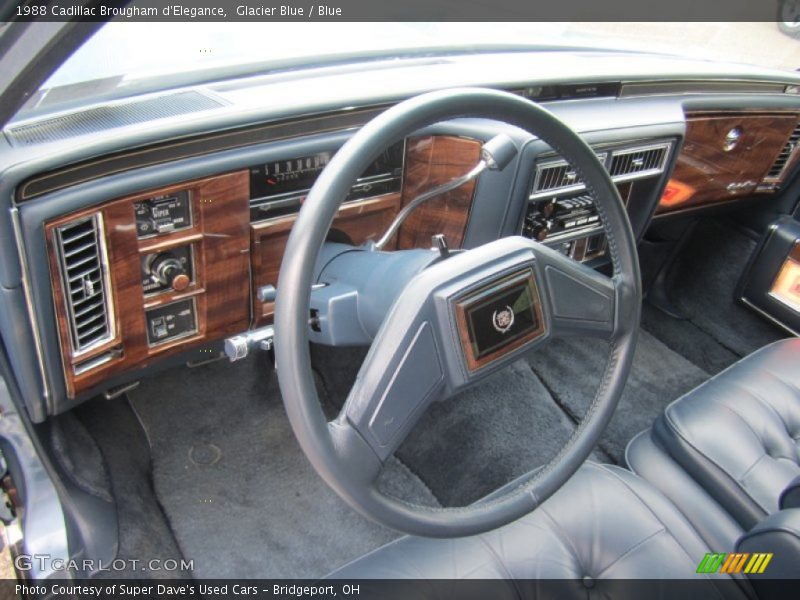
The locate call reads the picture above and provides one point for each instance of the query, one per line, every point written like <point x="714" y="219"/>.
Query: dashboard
<point x="150" y="254"/>
<point x="155" y="273"/>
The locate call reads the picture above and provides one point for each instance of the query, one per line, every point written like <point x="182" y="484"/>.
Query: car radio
<point x="558" y="216"/>
<point x="569" y="225"/>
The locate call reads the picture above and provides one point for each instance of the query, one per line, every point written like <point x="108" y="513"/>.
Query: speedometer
<point x="287" y="176"/>
<point x="278" y="187"/>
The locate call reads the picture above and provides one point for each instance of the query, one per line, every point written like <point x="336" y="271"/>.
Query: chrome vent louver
<point x="84" y="277"/>
<point x="786" y="153"/>
<point x="556" y="176"/>
<point x="641" y="161"/>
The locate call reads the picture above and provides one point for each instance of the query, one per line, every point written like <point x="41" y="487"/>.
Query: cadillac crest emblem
<point x="503" y="319"/>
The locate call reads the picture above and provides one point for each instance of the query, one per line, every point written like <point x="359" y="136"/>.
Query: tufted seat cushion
<point x="738" y="434"/>
<point x="604" y="524"/>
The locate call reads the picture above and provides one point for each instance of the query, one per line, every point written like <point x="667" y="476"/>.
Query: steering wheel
<point x="446" y="323"/>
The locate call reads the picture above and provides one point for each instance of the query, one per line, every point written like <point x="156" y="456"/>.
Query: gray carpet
<point x="244" y="502"/>
<point x="144" y="533"/>
<point x="471" y="444"/>
<point x="571" y="370"/>
<point x="687" y="339"/>
<point x="240" y="495"/>
<point x="702" y="285"/>
<point x="467" y="446"/>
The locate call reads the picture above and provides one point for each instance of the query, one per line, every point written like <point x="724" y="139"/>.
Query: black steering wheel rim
<point x="335" y="450"/>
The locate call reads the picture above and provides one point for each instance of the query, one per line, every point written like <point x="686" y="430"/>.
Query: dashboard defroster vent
<point x="83" y="268"/>
<point x="100" y="118"/>
<point x="786" y="153"/>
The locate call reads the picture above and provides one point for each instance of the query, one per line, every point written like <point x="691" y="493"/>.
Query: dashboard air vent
<point x="556" y="176"/>
<point x="638" y="161"/>
<point x="786" y="153"/>
<point x="82" y="259"/>
<point x="109" y="116"/>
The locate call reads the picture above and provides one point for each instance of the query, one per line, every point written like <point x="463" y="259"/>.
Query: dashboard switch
<point x="440" y="243"/>
<point x="159" y="326"/>
<point x="171" y="321"/>
<point x="267" y="293"/>
<point x="163" y="214"/>
<point x="239" y="346"/>
<point x="164" y="271"/>
<point x="168" y="270"/>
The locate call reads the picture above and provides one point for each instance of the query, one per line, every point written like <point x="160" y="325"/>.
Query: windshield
<point x="122" y="56"/>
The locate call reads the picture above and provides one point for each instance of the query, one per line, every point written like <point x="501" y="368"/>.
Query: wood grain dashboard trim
<point x="709" y="170"/>
<point x="233" y="258"/>
<point x="432" y="161"/>
<point x="119" y="162"/>
<point x="429" y="161"/>
<point x="220" y="237"/>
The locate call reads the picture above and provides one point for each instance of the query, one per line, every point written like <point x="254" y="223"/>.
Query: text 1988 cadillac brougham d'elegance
<point x="465" y="311"/>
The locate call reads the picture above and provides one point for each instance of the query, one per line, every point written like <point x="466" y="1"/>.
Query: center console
<point x="561" y="214"/>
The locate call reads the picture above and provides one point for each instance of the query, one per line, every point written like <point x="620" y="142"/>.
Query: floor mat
<point x="571" y="370"/>
<point x="240" y="495"/>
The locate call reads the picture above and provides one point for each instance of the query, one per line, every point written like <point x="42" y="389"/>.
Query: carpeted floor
<point x="702" y="281"/>
<point x="240" y="495"/>
<point x="144" y="533"/>
<point x="687" y="339"/>
<point x="571" y="370"/>
<point x="469" y="445"/>
<point x="244" y="502"/>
